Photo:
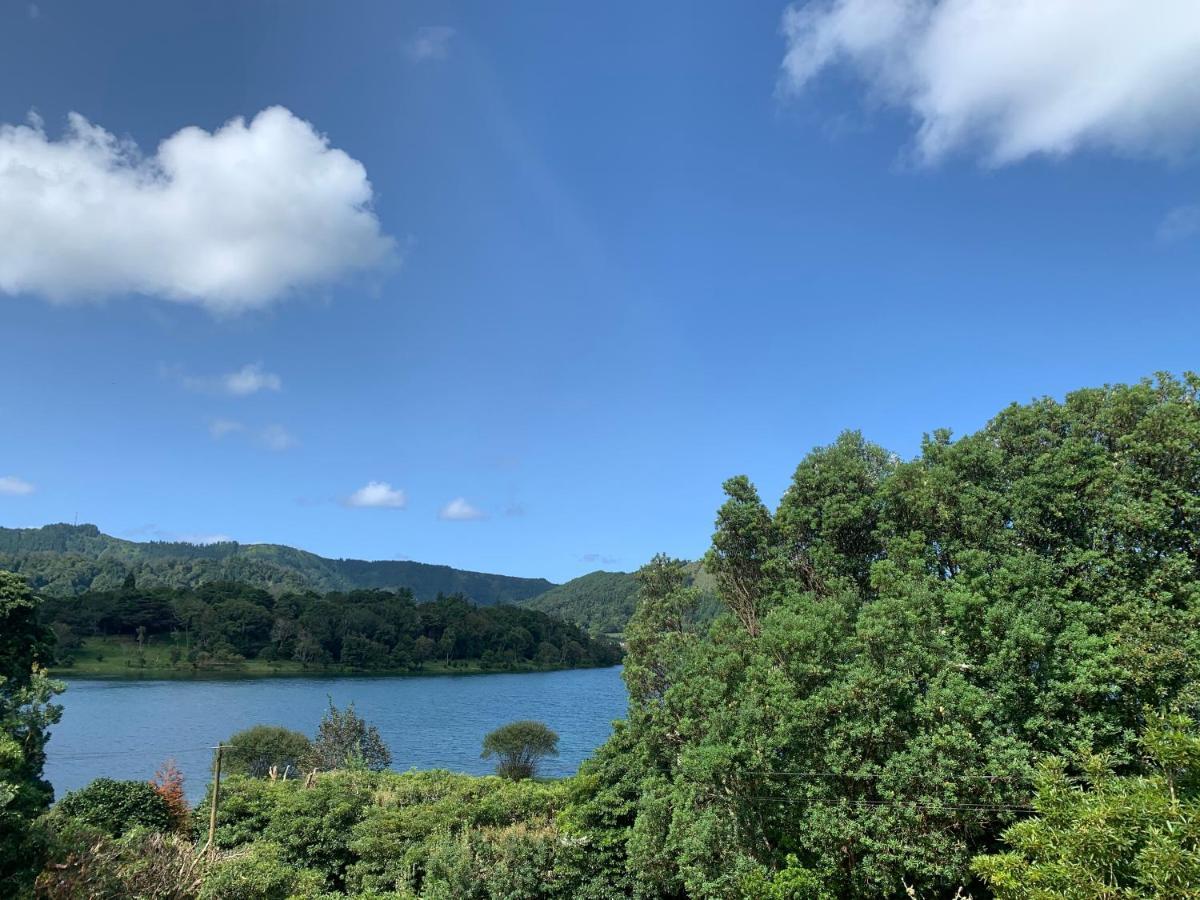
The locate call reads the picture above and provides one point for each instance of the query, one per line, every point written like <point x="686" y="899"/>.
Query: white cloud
<point x="249" y="379"/>
<point x="459" y="510"/>
<point x="13" y="486"/>
<point x="1181" y="222"/>
<point x="378" y="494"/>
<point x="272" y="437"/>
<point x="155" y="533"/>
<point x="231" y="220"/>
<point x="430" y="42"/>
<point x="275" y="437"/>
<point x="1014" y="78"/>
<point x="218" y="428"/>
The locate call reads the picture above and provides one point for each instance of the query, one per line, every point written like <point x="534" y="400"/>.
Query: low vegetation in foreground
<point x="975" y="673"/>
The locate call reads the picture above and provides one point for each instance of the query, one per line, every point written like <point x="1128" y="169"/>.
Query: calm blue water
<point x="126" y="728"/>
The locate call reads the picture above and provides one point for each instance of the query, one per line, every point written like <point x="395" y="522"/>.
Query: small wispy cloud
<point x="272" y="437"/>
<point x="34" y="10"/>
<point x="249" y="379"/>
<point x="152" y="531"/>
<point x="378" y="495"/>
<point x="219" y="428"/>
<point x="598" y="558"/>
<point x="12" y="486"/>
<point x="459" y="510"/>
<point x="275" y="437"/>
<point x="1180" y="223"/>
<point x="430" y="42"/>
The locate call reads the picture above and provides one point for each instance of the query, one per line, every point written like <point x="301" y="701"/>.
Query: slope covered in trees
<point x="603" y="602"/>
<point x="70" y="559"/>
<point x="225" y="623"/>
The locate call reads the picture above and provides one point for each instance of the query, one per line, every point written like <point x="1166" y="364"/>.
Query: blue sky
<point x="618" y="253"/>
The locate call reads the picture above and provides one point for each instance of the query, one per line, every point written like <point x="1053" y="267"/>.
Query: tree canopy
<point x="519" y="747"/>
<point x="25" y="715"/>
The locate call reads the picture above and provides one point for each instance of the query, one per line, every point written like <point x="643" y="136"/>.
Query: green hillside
<point x="599" y="602"/>
<point x="602" y="602"/>
<point x="64" y="560"/>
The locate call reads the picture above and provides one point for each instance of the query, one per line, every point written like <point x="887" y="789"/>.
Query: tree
<point x="25" y="714"/>
<point x="519" y="747"/>
<point x="254" y="751"/>
<point x="900" y="644"/>
<point x="115" y="807"/>
<point x="168" y="784"/>
<point x="1106" y="835"/>
<point x="345" y="739"/>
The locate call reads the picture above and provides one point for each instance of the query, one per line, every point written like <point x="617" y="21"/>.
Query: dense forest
<point x="971" y="673"/>
<point x="603" y="602"/>
<point x="227" y="622"/>
<point x="62" y="560"/>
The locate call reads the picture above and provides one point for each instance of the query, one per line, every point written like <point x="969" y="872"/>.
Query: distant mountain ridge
<point x="70" y="559"/>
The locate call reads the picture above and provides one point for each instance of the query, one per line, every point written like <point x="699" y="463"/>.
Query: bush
<point x="88" y="862"/>
<point x="345" y="739"/>
<point x="262" y="873"/>
<point x="520" y="746"/>
<point x="254" y="751"/>
<point x="115" y="807"/>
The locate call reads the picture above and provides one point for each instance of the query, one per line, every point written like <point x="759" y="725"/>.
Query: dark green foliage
<point x="254" y="751"/>
<point x="600" y="602"/>
<point x="115" y="807"/>
<point x="427" y="834"/>
<point x="903" y="643"/>
<point x="519" y="747"/>
<point x="223" y="623"/>
<point x="25" y="715"/>
<point x="345" y="740"/>
<point x="604" y="602"/>
<point x="63" y="560"/>
<point x="1105" y="835"/>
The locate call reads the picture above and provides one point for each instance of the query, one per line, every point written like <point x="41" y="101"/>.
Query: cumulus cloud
<point x="249" y="379"/>
<point x="378" y="495"/>
<point x="231" y="220"/>
<point x="430" y="42"/>
<point x="1014" y="78"/>
<point x="459" y="510"/>
<point x="13" y="486"/>
<point x="1181" y="222"/>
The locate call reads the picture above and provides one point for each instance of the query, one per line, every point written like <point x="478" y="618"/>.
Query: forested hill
<point x="64" y="560"/>
<point x="603" y="602"/>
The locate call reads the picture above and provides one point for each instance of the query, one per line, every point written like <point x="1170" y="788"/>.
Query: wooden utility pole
<point x="211" y="846"/>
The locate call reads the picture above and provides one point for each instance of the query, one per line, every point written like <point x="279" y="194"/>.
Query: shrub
<point x="88" y="862"/>
<point x="345" y="739"/>
<point x="260" y="873"/>
<point x="520" y="746"/>
<point x="254" y="751"/>
<point x="115" y="807"/>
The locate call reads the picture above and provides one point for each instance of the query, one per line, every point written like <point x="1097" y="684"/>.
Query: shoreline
<point x="83" y="673"/>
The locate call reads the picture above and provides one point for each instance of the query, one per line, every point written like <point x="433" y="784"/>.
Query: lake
<point x="125" y="728"/>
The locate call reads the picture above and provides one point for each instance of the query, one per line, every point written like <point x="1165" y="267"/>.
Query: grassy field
<point x="120" y="657"/>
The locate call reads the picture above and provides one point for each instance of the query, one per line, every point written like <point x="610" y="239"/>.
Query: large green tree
<point x="903" y="642"/>
<point x="25" y="714"/>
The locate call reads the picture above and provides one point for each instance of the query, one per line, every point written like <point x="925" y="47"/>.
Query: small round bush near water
<point x="254" y="751"/>
<point x="117" y="806"/>
<point x="519" y="747"/>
